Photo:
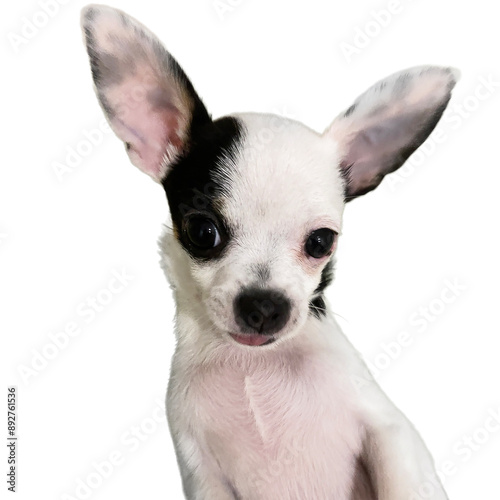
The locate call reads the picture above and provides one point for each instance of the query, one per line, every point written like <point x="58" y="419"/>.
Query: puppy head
<point x="256" y="200"/>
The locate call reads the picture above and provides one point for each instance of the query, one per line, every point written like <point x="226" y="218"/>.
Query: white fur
<point x="293" y="419"/>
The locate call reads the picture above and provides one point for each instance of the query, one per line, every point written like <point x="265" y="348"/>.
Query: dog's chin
<point x="253" y="339"/>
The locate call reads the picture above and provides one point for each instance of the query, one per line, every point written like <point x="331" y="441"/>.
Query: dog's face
<point x="256" y="200"/>
<point x="259" y="224"/>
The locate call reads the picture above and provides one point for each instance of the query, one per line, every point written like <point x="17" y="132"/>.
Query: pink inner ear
<point x="148" y="121"/>
<point x="151" y="135"/>
<point x="387" y="123"/>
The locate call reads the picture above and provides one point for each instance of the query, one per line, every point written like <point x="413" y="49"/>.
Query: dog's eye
<point x="320" y="242"/>
<point x="202" y="232"/>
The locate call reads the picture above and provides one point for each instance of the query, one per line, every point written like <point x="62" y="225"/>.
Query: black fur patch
<point x="192" y="186"/>
<point x="326" y="277"/>
<point x="317" y="306"/>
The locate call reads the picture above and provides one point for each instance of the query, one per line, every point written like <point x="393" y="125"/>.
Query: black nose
<point x="262" y="311"/>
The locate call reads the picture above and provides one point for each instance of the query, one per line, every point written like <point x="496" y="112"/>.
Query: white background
<point x="62" y="237"/>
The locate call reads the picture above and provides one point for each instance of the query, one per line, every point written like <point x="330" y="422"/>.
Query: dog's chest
<point x="280" y="432"/>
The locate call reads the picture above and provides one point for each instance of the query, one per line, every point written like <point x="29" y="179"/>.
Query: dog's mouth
<point x="253" y="339"/>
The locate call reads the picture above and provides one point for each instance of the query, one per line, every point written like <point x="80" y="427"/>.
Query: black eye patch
<point x="196" y="184"/>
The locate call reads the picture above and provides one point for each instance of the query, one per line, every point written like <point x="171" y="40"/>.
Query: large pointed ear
<point x="147" y="98"/>
<point x="387" y="123"/>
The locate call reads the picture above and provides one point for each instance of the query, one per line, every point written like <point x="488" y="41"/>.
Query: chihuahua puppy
<point x="267" y="399"/>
